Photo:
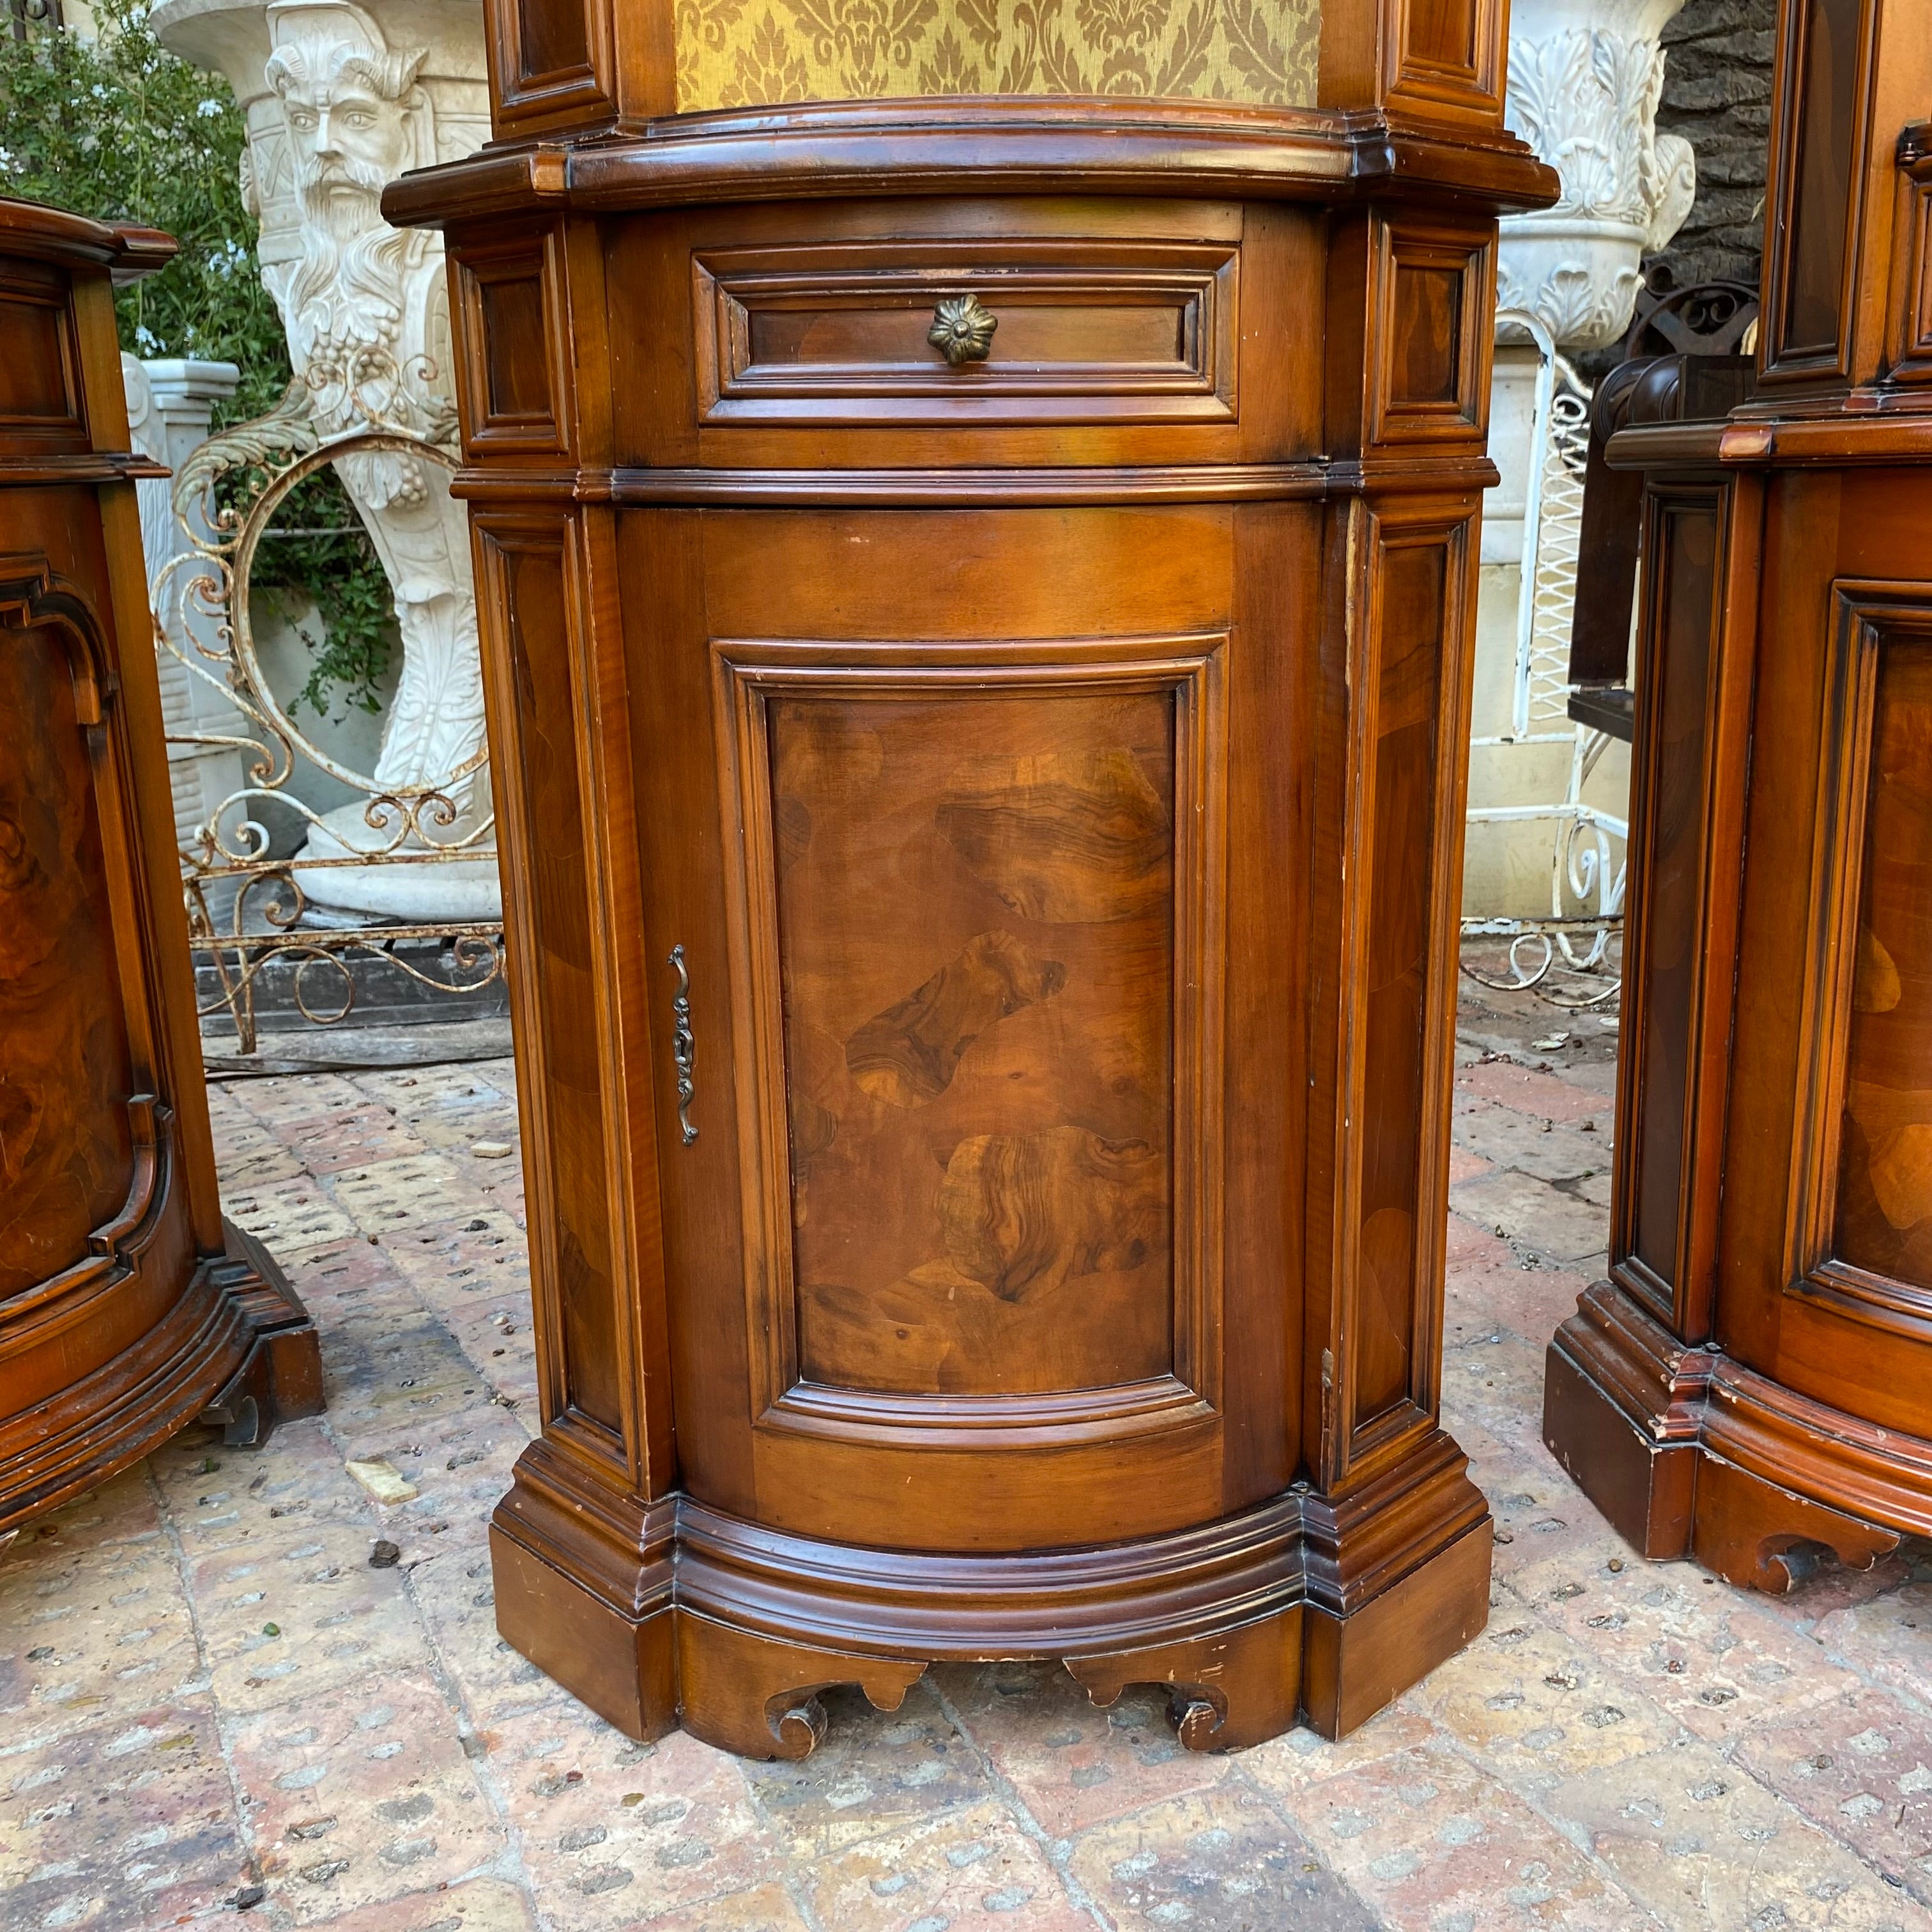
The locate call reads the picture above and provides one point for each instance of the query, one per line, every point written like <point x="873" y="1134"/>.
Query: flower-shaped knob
<point x="962" y="329"/>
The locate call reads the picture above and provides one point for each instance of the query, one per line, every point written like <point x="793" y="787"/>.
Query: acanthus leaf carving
<point x="1583" y="92"/>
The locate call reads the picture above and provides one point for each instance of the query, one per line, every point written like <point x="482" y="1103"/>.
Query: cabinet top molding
<point x="53" y="234"/>
<point x="946" y="147"/>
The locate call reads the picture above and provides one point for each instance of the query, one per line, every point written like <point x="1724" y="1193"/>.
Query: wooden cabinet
<point x="977" y="600"/>
<point x="127" y="1307"/>
<point x="1754" y="1380"/>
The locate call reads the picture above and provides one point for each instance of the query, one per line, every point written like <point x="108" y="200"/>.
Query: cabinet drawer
<point x="1063" y="331"/>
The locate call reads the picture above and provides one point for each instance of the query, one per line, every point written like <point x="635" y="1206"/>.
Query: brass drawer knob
<point x="962" y="329"/>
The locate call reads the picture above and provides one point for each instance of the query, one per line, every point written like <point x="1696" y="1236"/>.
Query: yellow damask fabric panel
<point x="747" y="53"/>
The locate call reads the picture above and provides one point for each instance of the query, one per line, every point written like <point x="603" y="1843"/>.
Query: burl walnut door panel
<point x="969" y="894"/>
<point x="1829" y="1214"/>
<point x="66" y="1143"/>
<point x="961" y="1122"/>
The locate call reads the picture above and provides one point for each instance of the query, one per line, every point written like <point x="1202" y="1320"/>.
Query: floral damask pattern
<point x="743" y="53"/>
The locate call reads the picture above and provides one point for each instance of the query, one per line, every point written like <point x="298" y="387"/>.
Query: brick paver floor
<point x="210" y="1700"/>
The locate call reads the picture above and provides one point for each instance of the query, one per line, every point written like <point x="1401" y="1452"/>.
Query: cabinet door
<point x="1827" y="1278"/>
<point x="936" y="808"/>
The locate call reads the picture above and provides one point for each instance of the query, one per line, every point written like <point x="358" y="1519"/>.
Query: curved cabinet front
<point x="982" y="700"/>
<point x="127" y="1308"/>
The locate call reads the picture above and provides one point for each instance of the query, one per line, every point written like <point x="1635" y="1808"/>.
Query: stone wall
<point x="1717" y="94"/>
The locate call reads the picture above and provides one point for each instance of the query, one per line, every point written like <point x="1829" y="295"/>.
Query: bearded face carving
<point x="355" y="120"/>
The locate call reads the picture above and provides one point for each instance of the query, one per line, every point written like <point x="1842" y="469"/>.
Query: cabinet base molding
<point x="237" y="1348"/>
<point x="677" y="1613"/>
<point x="1689" y="1454"/>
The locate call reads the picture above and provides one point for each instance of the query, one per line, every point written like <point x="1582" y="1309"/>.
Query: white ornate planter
<point x="1584" y="79"/>
<point x="338" y="101"/>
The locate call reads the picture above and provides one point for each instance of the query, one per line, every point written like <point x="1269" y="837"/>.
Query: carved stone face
<point x="346" y="140"/>
<point x="347" y="101"/>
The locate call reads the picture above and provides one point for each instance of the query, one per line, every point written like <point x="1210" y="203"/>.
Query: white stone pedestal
<point x="168" y="404"/>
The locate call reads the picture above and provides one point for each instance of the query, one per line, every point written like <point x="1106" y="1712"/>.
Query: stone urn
<point x="339" y="100"/>
<point x="1584" y="79"/>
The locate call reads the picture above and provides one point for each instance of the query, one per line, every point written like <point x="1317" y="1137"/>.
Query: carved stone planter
<point x="1584" y="79"/>
<point x="339" y="103"/>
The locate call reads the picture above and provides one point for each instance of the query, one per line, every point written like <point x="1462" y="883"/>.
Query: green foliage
<point x="354" y="602"/>
<point x="120" y="129"/>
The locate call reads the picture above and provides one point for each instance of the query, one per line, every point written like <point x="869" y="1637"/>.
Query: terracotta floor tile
<point x="1468" y="1245"/>
<point x="972" y="1870"/>
<point x="1889" y="1637"/>
<point x="1702" y="1845"/>
<point x="301" y="1096"/>
<point x="93" y="1620"/>
<point x="221" y="1498"/>
<point x="475" y="1905"/>
<point x="1287" y="1766"/>
<point x="454" y="1130"/>
<point x="453" y="1086"/>
<point x="297" y="1216"/>
<point x="1707" y="1655"/>
<point x="1218" y="1861"/>
<point x="289" y="1618"/>
<point x="1535" y="1704"/>
<point x="254" y="1155"/>
<point x="1471" y="1806"/>
<point x="875" y="1771"/>
<point x="1861" y="1766"/>
<point x="1542" y="1096"/>
<point x="386" y="1197"/>
<point x="1531" y="1302"/>
<point x="767" y="1908"/>
<point x="613" y="1833"/>
<point x="1071" y="1764"/>
<point x="352" y="1800"/>
<point x="1429" y="1841"/>
<point x="130" y="1822"/>
<point x="354" y="1137"/>
<point x="1832" y="1587"/>
<point x="1498" y="1380"/>
<point x="336" y="1274"/>
<point x="453" y="1593"/>
<point x="1538" y="1217"/>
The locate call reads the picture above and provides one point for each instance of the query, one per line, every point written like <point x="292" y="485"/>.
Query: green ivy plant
<point x="120" y="129"/>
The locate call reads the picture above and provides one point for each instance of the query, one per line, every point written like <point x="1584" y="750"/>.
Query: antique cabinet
<point x="1754" y="1382"/>
<point x="977" y="596"/>
<point x="127" y="1307"/>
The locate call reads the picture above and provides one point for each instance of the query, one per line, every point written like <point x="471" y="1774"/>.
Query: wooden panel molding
<point x="513" y="365"/>
<point x="1911" y="349"/>
<point x="1398" y="942"/>
<point x="1432" y="283"/>
<point x="551" y="64"/>
<point x="1860" y="1231"/>
<point x="40" y="396"/>
<point x="1073" y="1236"/>
<point x="530" y="565"/>
<point x="1082" y="330"/>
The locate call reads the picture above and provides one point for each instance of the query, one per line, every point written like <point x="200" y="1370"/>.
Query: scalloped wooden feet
<point x="1668" y="1483"/>
<point x="758" y="1697"/>
<point x="646" y="1621"/>
<point x="1239" y="1688"/>
<point x="1761" y="1535"/>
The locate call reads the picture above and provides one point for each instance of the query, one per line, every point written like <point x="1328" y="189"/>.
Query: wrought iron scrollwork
<point x="248" y="909"/>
